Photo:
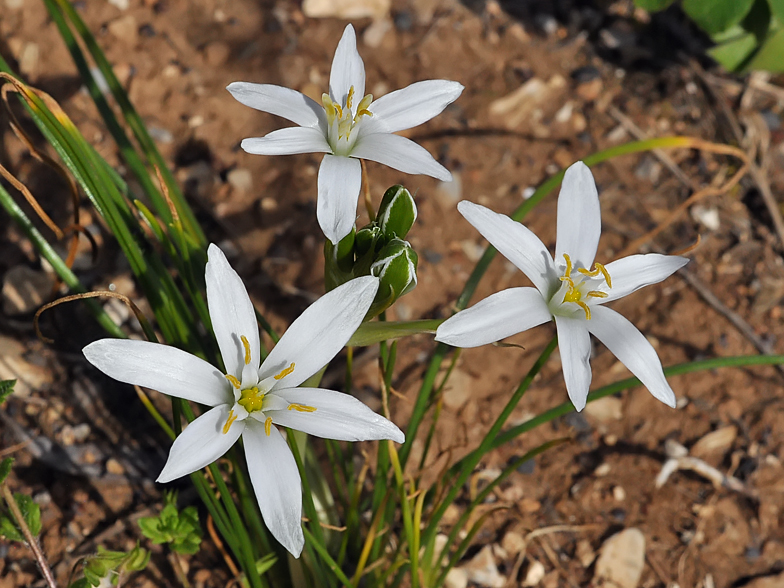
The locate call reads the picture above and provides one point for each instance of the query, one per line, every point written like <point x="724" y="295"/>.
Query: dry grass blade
<point x="103" y="293"/>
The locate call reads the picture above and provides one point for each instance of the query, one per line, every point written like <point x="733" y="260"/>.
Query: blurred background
<point x="547" y="83"/>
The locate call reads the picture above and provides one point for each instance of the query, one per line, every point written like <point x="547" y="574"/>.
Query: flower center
<point x="342" y="120"/>
<point x="577" y="289"/>
<point x="252" y="398"/>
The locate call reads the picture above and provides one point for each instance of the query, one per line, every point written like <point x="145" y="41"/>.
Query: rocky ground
<point x="547" y="83"/>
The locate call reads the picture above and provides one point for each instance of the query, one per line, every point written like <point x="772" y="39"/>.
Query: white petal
<point x="288" y="141"/>
<point x="289" y="104"/>
<point x="347" y="70"/>
<point x="574" y="344"/>
<point x="501" y="315"/>
<point x="579" y="217"/>
<point x="338" y="416"/>
<point x="399" y="153"/>
<point x="633" y="350"/>
<point x="163" y="368"/>
<point x="201" y="443"/>
<point x="231" y="312"/>
<point x="276" y="482"/>
<point x="636" y="271"/>
<point x="321" y="331"/>
<point x="515" y="242"/>
<point x="413" y="105"/>
<point x="339" y="182"/>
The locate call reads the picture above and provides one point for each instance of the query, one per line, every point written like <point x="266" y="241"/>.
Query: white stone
<point x="621" y="561"/>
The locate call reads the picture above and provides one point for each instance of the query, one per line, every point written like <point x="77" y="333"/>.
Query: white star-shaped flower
<point x="568" y="290"/>
<point x="249" y="400"/>
<point x="348" y="125"/>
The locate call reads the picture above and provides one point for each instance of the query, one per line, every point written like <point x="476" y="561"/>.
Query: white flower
<point x="249" y="400"/>
<point x="567" y="290"/>
<point x="348" y="126"/>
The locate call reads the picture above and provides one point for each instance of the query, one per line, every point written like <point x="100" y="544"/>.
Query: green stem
<point x="468" y="464"/>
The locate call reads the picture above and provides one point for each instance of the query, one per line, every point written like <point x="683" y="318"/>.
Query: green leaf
<point x="777" y="8"/>
<point x="734" y="53"/>
<point x="6" y="389"/>
<point x="9" y="530"/>
<point x="770" y="57"/>
<point x="653" y="5"/>
<point x="180" y="529"/>
<point x="5" y="468"/>
<point x="31" y="513"/>
<point x="715" y="16"/>
<point x="375" y="332"/>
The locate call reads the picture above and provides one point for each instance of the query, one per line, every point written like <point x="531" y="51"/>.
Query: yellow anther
<point x="338" y="109"/>
<point x="568" y="271"/>
<point x="329" y="106"/>
<point x="234" y="381"/>
<point x="285" y="372"/>
<point x="598" y="269"/>
<point x="568" y="279"/>
<point x="350" y="97"/>
<point x="365" y="102"/>
<point x="229" y="421"/>
<point x="247" y="349"/>
<point x="302" y="408"/>
<point x="268" y="426"/>
<point x="597" y="294"/>
<point x="605" y="273"/>
<point x="363" y="112"/>
<point x="251" y="399"/>
<point x="587" y="310"/>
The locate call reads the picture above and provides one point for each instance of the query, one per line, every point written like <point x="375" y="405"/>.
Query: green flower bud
<point x="396" y="266"/>
<point x="338" y="261"/>
<point x="397" y="213"/>
<point x="366" y="239"/>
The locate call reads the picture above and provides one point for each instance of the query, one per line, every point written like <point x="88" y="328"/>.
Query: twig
<point x="660" y="154"/>
<point x="32" y="543"/>
<point x="733" y="317"/>
<point x="757" y="172"/>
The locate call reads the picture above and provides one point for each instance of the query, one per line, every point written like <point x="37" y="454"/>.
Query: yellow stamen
<point x="229" y="421"/>
<point x="268" y="426"/>
<point x="234" y="381"/>
<point x="363" y="112"/>
<point x="247" y="349"/>
<point x="597" y="294"/>
<point x="598" y="269"/>
<point x="302" y="408"/>
<point x="285" y="372"/>
<point x="584" y="306"/>
<point x="568" y="271"/>
<point x="350" y="97"/>
<point x="605" y="273"/>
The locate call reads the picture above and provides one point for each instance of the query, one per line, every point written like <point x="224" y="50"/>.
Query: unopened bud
<point x="396" y="266"/>
<point x="397" y="213"/>
<point x="366" y="239"/>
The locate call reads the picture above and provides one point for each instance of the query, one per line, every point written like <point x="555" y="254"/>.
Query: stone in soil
<point x="622" y="560"/>
<point x="25" y="290"/>
<point x="482" y="569"/>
